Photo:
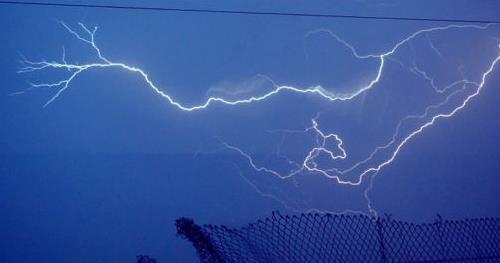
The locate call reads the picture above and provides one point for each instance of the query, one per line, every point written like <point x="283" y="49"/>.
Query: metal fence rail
<point x="345" y="238"/>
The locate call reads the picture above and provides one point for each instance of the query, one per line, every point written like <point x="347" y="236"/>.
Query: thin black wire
<point x="246" y="12"/>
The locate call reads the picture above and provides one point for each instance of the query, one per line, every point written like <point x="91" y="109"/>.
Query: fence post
<point x="380" y="237"/>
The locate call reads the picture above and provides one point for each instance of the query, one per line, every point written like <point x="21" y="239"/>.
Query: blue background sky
<point x="101" y="174"/>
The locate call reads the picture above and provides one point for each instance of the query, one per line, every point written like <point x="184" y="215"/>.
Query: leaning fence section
<point x="345" y="238"/>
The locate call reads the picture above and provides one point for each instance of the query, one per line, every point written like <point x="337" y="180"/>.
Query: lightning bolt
<point x="309" y="165"/>
<point x="361" y="169"/>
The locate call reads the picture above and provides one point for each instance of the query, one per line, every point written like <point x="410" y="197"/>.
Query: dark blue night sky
<point x="102" y="172"/>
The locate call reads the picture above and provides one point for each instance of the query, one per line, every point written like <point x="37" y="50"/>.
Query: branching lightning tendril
<point x="360" y="169"/>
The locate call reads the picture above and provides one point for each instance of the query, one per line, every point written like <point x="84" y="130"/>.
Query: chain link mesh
<point x="345" y="238"/>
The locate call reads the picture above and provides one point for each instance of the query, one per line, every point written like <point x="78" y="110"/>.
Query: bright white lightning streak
<point x="308" y="164"/>
<point x="375" y="169"/>
<point x="313" y="153"/>
<point x="434" y="119"/>
<point x="398" y="127"/>
<point x="106" y="63"/>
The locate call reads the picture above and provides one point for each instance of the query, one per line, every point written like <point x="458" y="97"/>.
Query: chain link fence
<point x="345" y="238"/>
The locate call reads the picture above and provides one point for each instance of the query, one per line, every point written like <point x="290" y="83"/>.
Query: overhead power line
<point x="248" y="12"/>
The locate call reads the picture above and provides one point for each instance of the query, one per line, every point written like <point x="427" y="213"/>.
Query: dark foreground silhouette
<point x="345" y="238"/>
<point x="145" y="259"/>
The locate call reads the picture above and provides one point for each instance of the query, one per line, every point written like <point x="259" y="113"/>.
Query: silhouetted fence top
<point x="345" y="238"/>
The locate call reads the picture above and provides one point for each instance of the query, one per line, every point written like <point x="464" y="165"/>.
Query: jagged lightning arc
<point x="361" y="169"/>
